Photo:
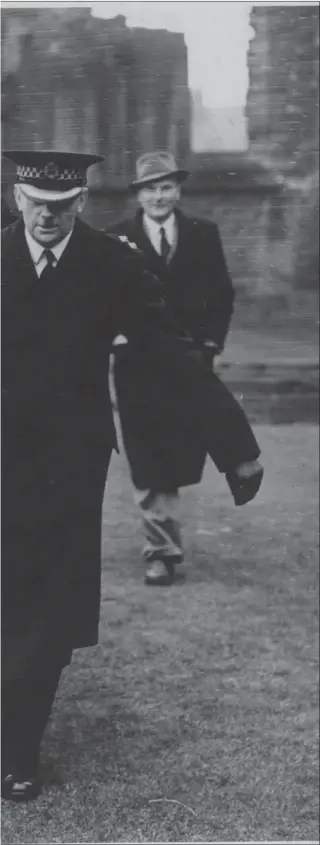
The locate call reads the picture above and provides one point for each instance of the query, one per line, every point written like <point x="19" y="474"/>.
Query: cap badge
<point x="51" y="170"/>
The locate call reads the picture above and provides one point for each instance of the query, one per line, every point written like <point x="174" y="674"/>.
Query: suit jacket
<point x="196" y="283"/>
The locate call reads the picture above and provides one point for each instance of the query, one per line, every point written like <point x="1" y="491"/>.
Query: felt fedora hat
<point x="49" y="175"/>
<point x="152" y="167"/>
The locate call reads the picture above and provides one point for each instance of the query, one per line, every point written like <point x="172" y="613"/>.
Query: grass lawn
<point x="196" y="718"/>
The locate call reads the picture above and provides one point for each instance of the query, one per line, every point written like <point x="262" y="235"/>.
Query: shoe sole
<point x="29" y="794"/>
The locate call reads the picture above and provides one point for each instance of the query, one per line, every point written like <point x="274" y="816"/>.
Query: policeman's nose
<point x="47" y="212"/>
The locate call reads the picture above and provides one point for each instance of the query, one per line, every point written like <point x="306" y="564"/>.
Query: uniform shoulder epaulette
<point x="122" y="239"/>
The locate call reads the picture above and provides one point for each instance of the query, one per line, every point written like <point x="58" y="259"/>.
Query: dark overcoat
<point x="199" y="294"/>
<point x="58" y="430"/>
<point x="7" y="216"/>
<point x="58" y="433"/>
<point x="196" y="283"/>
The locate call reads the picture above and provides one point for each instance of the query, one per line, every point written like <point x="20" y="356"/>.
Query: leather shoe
<point x="159" y="574"/>
<point x="245" y="487"/>
<point x="16" y="789"/>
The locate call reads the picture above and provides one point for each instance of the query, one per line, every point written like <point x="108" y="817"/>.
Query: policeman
<point x="68" y="291"/>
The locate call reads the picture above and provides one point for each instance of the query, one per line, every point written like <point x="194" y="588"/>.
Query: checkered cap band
<point x="50" y="173"/>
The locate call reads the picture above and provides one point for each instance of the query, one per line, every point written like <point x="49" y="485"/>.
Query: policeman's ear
<point x="19" y="198"/>
<point x="81" y="201"/>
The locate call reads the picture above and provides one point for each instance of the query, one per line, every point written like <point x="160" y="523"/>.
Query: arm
<point x="142" y="313"/>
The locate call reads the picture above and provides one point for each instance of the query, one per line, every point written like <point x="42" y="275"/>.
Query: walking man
<point x="187" y="256"/>
<point x="67" y="292"/>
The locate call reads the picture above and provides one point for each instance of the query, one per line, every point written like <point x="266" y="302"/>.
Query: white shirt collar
<point x="152" y="227"/>
<point x="37" y="250"/>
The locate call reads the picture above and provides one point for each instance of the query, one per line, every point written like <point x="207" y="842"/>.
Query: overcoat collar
<point x="137" y="233"/>
<point x="71" y="259"/>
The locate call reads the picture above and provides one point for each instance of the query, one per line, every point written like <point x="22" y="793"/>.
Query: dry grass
<point x="196" y="717"/>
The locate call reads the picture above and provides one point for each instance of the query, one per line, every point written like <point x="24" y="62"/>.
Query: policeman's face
<point x="48" y="222"/>
<point x="158" y="199"/>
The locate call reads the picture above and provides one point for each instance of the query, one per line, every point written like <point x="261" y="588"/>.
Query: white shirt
<point x="153" y="231"/>
<point x="37" y="251"/>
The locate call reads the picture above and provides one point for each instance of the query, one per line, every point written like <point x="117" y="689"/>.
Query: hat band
<point x="155" y="177"/>
<point x="51" y="175"/>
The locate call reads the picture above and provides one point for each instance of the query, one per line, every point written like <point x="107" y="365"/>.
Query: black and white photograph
<point x="160" y="422"/>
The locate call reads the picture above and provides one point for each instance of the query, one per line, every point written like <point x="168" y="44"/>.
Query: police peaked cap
<point x="51" y="175"/>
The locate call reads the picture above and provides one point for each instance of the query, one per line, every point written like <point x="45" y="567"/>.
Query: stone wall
<point x="252" y="209"/>
<point x="243" y="223"/>
<point x="73" y="81"/>
<point x="283" y="126"/>
<point x="283" y="96"/>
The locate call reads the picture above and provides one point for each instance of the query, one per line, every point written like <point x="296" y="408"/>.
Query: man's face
<point x="158" y="199"/>
<point x="48" y="222"/>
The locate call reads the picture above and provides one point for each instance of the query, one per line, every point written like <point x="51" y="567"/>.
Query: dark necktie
<point x="164" y="244"/>
<point x="49" y="271"/>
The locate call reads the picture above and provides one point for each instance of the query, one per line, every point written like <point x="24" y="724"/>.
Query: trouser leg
<point x="26" y="707"/>
<point x="161" y="525"/>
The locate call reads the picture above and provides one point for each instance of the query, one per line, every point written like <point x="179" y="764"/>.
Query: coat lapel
<point x="178" y="268"/>
<point x="182" y="248"/>
<point x="136" y="232"/>
<point x="72" y="257"/>
<point x="73" y="262"/>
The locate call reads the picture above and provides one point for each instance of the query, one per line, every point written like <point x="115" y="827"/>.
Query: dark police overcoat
<point x="58" y="429"/>
<point x="7" y="216"/>
<point x="199" y="294"/>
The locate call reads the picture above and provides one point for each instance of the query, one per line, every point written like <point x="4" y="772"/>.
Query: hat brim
<point x="178" y="175"/>
<point x="49" y="196"/>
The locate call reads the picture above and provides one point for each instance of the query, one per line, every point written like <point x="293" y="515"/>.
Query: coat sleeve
<point x="219" y="292"/>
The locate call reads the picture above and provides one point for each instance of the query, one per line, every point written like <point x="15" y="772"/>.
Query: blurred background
<point x="232" y="89"/>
